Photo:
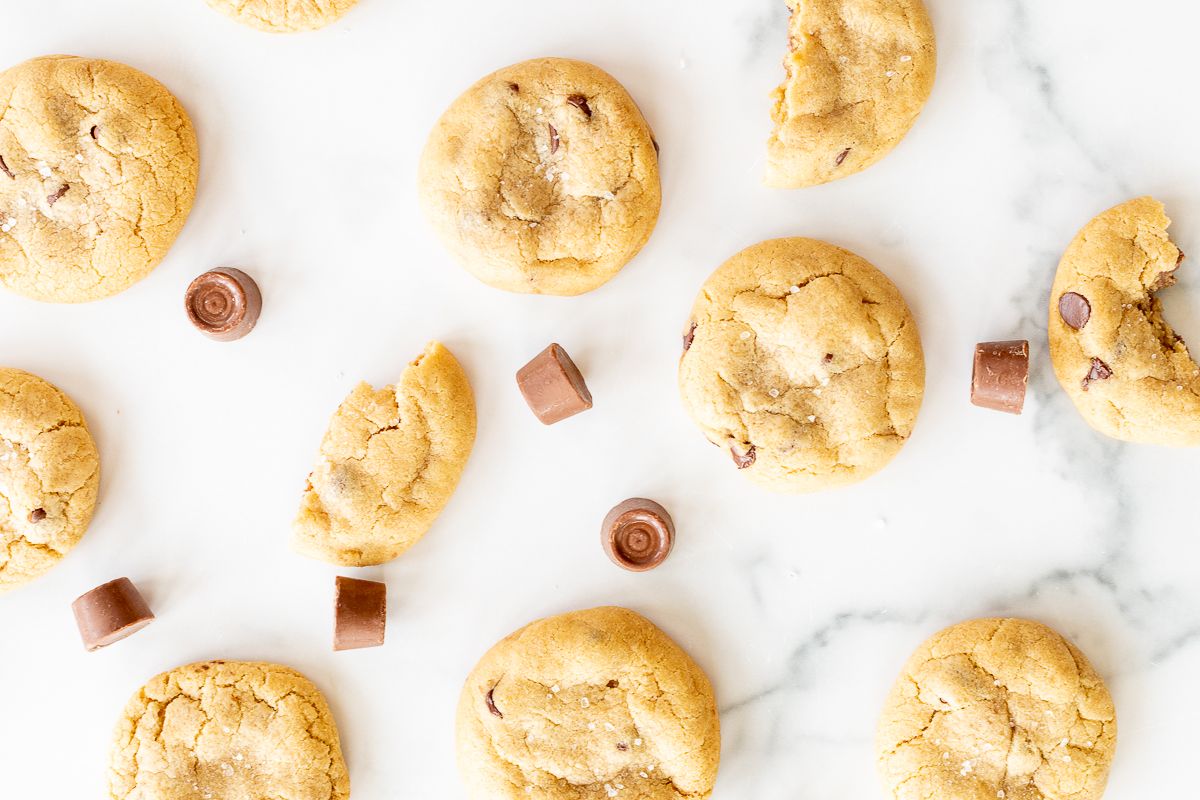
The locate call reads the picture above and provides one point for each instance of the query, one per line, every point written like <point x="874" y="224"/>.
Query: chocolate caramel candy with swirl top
<point x="224" y="304"/>
<point x="638" y="534"/>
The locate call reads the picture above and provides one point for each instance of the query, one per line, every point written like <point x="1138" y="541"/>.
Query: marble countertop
<point x="801" y="609"/>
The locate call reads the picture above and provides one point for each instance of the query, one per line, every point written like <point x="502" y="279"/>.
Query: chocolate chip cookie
<point x="227" y="730"/>
<point x="388" y="464"/>
<point x="49" y="477"/>
<point x="1129" y="374"/>
<point x="592" y="704"/>
<point x="284" y="16"/>
<point x="858" y="74"/>
<point x="803" y="364"/>
<point x="98" y="169"/>
<point x="542" y="178"/>
<point x="997" y="708"/>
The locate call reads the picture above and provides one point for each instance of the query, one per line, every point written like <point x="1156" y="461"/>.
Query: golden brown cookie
<point x="1129" y="374"/>
<point x="589" y="705"/>
<point x="388" y="464"/>
<point x="49" y="476"/>
<point x="997" y="708"/>
<point x="858" y="74"/>
<point x="284" y="16"/>
<point x="227" y="730"/>
<point x="98" y="169"/>
<point x="542" y="178"/>
<point x="803" y="364"/>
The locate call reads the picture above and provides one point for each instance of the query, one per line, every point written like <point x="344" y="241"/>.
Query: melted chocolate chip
<point x="1164" y="280"/>
<point x="580" y="102"/>
<point x="491" y="704"/>
<point x="555" y="141"/>
<point x="612" y="684"/>
<point x="842" y="156"/>
<point x="512" y="87"/>
<point x="37" y="515"/>
<point x="92" y="132"/>
<point x="689" y="337"/>
<point x="744" y="460"/>
<point x="1099" y="372"/>
<point x="5" y="168"/>
<point x="622" y="746"/>
<point x="828" y="359"/>
<point x="1075" y="310"/>
<point x="54" y="198"/>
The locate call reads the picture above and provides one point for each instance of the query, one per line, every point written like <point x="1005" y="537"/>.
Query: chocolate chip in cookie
<point x="1074" y="309"/>
<point x="37" y="515"/>
<point x="744" y="458"/>
<point x="5" y="169"/>
<point x="580" y="102"/>
<point x="689" y="337"/>
<point x="1099" y="372"/>
<point x="491" y="703"/>
<point x="57" y="194"/>
<point x="555" y="139"/>
<point x="1166" y="279"/>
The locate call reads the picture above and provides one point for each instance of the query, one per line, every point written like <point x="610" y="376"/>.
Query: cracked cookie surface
<point x="388" y="464"/>
<point x="542" y="178"/>
<point x="284" y="16"/>
<point x="1129" y="374"/>
<point x="227" y="730"/>
<point x="997" y="708"/>
<point x="858" y="74"/>
<point x="98" y="170"/>
<point x="588" y="705"/>
<point x="802" y="362"/>
<point x="49" y="476"/>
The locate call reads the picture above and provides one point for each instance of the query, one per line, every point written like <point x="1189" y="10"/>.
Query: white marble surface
<point x="800" y="608"/>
